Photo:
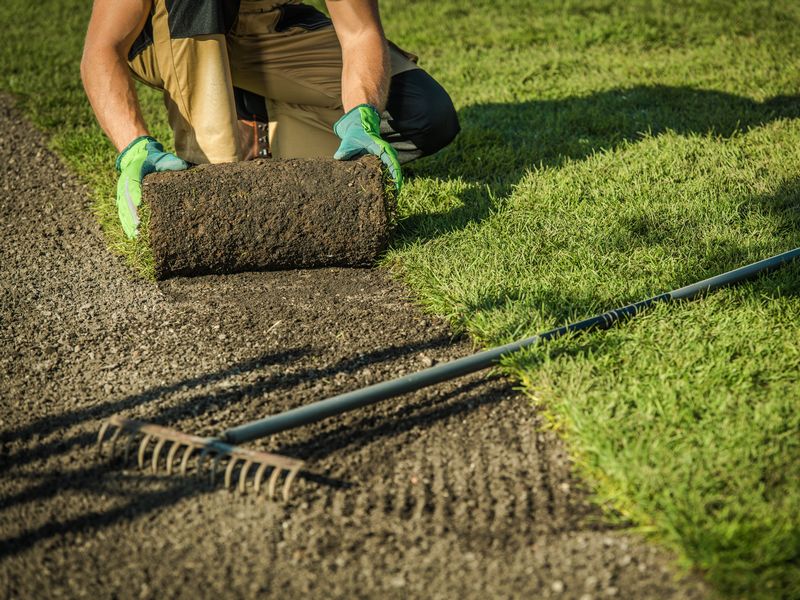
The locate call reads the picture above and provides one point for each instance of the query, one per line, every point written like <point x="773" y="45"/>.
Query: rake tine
<point x="156" y="453"/>
<point x="100" y="437"/>
<point x="260" y="476"/>
<point x="171" y="456"/>
<point x="243" y="476"/>
<point x="229" y="473"/>
<point x="113" y="441"/>
<point x="185" y="458"/>
<point x="273" y="482"/>
<point x="167" y="443"/>
<point x="287" y="484"/>
<point x="143" y="448"/>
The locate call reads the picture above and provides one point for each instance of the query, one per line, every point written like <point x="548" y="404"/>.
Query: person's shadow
<point x="500" y="142"/>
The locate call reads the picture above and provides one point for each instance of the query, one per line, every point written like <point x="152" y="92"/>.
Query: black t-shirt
<point x="190" y="18"/>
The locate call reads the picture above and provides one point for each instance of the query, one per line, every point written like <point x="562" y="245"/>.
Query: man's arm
<point x="365" y="54"/>
<point x="113" y="28"/>
<point x="104" y="70"/>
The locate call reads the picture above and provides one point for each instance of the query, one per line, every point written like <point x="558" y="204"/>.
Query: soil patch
<point x="449" y="492"/>
<point x="268" y="214"/>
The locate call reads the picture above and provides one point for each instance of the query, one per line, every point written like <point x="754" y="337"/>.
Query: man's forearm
<point x="104" y="67"/>
<point x="112" y="94"/>
<point x="365" y="80"/>
<point x="365" y="53"/>
<point x="365" y="72"/>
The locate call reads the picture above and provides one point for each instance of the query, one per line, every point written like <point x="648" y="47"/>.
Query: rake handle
<point x="348" y="401"/>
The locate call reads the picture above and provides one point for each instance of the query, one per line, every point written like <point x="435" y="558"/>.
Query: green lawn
<point x="610" y="151"/>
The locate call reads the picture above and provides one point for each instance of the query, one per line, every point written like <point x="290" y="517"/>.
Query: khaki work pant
<point x="298" y="71"/>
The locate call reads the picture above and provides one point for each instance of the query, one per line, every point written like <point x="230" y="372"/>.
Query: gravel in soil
<point x="449" y="492"/>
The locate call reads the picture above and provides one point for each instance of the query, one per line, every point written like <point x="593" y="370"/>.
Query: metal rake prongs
<point x="177" y="448"/>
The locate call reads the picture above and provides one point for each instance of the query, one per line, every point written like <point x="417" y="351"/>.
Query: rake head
<point x="172" y="449"/>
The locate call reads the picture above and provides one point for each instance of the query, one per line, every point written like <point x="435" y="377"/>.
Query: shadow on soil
<point x="92" y="479"/>
<point x="411" y="417"/>
<point x="70" y="418"/>
<point x="199" y="404"/>
<point x="102" y="479"/>
<point x="499" y="143"/>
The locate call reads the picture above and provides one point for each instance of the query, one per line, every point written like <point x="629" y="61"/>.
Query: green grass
<point x="609" y="151"/>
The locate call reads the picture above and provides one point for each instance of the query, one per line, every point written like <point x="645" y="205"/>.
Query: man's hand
<point x="143" y="156"/>
<point x="365" y="82"/>
<point x="359" y="130"/>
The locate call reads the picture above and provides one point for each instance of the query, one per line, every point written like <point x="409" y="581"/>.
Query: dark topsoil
<point x="449" y="492"/>
<point x="268" y="214"/>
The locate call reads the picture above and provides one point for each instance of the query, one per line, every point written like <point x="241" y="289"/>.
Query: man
<point x="330" y="86"/>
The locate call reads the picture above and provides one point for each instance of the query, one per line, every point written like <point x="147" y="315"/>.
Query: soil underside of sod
<point x="448" y="492"/>
<point x="266" y="214"/>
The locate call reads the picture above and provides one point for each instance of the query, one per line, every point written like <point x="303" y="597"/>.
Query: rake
<point x="177" y="448"/>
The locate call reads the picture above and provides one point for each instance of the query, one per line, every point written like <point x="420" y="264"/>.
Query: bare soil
<point x="450" y="492"/>
<point x="268" y="214"/>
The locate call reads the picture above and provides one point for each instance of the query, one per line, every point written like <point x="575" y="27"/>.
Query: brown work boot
<point x="254" y="139"/>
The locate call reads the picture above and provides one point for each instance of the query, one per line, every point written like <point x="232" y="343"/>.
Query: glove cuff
<point x="346" y="120"/>
<point x="121" y="155"/>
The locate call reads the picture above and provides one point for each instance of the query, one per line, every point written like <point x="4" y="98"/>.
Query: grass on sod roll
<point x="609" y="152"/>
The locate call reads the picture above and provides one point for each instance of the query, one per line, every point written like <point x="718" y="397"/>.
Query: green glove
<point x="143" y="156"/>
<point x="360" y="131"/>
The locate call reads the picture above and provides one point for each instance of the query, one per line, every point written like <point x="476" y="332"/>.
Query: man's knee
<point x="442" y="124"/>
<point x="421" y="111"/>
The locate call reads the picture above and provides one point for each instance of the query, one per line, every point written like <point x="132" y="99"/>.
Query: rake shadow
<point x="92" y="478"/>
<point x="69" y="418"/>
<point x="416" y="416"/>
<point x="199" y="404"/>
<point x="361" y="433"/>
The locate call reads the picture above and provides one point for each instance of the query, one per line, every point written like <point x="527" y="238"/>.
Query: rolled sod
<point x="268" y="214"/>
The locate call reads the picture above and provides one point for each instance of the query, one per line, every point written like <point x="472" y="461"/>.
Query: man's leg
<point x="291" y="56"/>
<point x="419" y="118"/>
<point x="191" y="67"/>
<point x="302" y="131"/>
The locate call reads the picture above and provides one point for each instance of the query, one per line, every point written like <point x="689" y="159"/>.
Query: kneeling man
<point x="325" y="86"/>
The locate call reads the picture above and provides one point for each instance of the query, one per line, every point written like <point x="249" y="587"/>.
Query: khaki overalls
<point x="294" y="62"/>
